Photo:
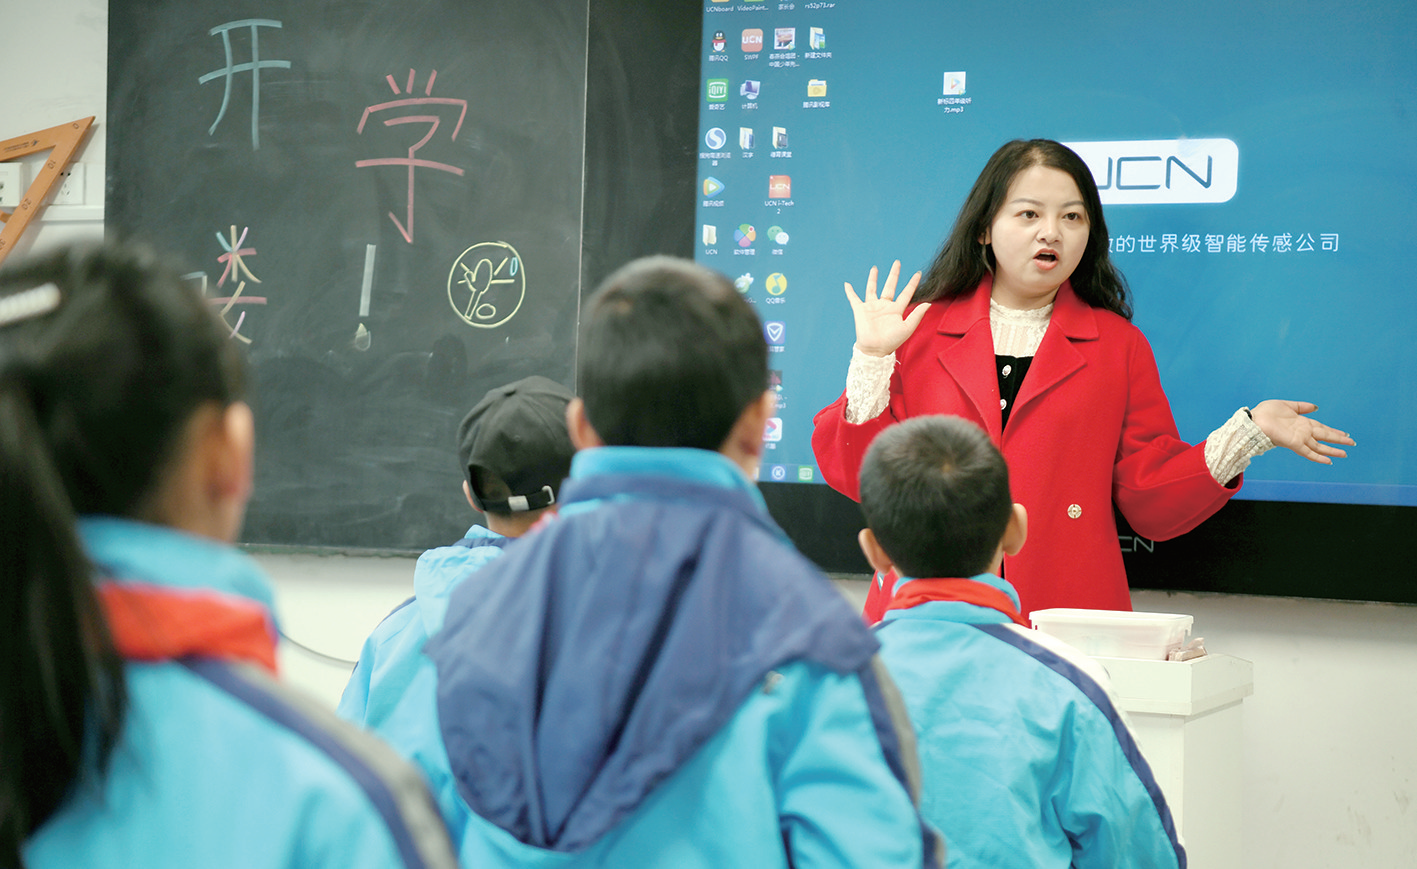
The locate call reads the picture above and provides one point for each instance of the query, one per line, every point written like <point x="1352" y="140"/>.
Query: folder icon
<point x="816" y="87"/>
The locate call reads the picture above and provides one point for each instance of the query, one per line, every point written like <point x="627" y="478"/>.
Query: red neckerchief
<point x="153" y="623"/>
<point x="963" y="590"/>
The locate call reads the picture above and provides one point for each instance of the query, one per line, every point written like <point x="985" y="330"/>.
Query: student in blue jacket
<point x="514" y="451"/>
<point x="1027" y="761"/>
<point x="656" y="678"/>
<point x="139" y="721"/>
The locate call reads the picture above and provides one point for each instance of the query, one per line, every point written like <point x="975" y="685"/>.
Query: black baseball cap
<point x="518" y="432"/>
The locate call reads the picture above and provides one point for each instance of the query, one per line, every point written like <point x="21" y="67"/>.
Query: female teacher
<point x="1023" y="326"/>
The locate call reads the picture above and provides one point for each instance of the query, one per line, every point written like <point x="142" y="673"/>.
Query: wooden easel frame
<point x="65" y="140"/>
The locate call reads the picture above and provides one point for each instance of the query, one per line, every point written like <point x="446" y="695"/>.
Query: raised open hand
<point x="881" y="322"/>
<point x="1285" y="423"/>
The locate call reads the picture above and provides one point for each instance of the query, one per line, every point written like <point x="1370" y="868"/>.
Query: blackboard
<point x="400" y="188"/>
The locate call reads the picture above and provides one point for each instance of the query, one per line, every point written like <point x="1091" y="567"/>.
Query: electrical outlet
<point x="12" y="185"/>
<point x="71" y="186"/>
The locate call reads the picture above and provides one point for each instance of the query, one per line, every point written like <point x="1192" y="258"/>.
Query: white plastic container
<point x="1115" y="633"/>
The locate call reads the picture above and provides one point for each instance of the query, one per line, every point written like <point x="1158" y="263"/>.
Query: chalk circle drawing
<point x="487" y="284"/>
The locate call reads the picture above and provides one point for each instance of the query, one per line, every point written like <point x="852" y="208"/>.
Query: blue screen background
<point x="1319" y="100"/>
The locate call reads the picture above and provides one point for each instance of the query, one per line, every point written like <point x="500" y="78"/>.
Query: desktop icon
<point x="775" y="331"/>
<point x="777" y="472"/>
<point x="777" y="236"/>
<point x="777" y="284"/>
<point x="745" y="235"/>
<point x="745" y="138"/>
<point x="717" y="89"/>
<point x="749" y="89"/>
<point x="779" y="137"/>
<point x="779" y="186"/>
<point x="720" y="42"/>
<point x="804" y="473"/>
<point x="752" y="40"/>
<point x="712" y="186"/>
<point x="710" y="235"/>
<point x="817" y="88"/>
<point x="743" y="283"/>
<point x="954" y="84"/>
<point x="715" y="138"/>
<point x="784" y="39"/>
<point x="817" y="39"/>
<point x="773" y="431"/>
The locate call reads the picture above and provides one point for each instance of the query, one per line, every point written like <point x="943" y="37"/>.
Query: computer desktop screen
<point x="1255" y="162"/>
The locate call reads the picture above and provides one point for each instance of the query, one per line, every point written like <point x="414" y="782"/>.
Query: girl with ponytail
<point x="139" y="724"/>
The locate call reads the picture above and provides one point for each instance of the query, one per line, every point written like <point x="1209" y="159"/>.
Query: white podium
<point x="1187" y="719"/>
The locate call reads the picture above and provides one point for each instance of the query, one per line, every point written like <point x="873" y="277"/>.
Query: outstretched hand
<point x="881" y="322"/>
<point x="1285" y="423"/>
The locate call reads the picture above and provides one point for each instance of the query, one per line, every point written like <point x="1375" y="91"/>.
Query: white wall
<point x="1331" y="759"/>
<point x="54" y="69"/>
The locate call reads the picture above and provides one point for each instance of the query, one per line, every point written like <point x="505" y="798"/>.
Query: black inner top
<point x="1011" y="370"/>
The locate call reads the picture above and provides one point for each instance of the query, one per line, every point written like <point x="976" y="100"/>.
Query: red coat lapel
<point x="1058" y="358"/>
<point x="969" y="361"/>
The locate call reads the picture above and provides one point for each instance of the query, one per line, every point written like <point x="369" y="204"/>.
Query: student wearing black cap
<point x="515" y="451"/>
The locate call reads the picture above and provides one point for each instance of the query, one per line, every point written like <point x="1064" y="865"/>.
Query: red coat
<point x="1090" y="427"/>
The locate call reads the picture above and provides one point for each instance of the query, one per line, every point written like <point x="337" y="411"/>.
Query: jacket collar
<point x="692" y="467"/>
<point x="976" y="599"/>
<point x="169" y="595"/>
<point x="156" y="555"/>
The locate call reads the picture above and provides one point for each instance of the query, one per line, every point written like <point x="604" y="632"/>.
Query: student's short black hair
<point x="935" y="491"/>
<point x="670" y="356"/>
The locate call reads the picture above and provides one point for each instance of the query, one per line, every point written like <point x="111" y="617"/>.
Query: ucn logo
<point x="1162" y="171"/>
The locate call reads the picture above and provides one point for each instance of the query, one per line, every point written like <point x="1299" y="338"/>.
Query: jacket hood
<point x="605" y="650"/>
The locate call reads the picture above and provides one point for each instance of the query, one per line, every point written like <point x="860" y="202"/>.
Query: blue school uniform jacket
<point x="394" y="651"/>
<point x="657" y="678"/>
<point x="1026" y="760"/>
<point x="217" y="766"/>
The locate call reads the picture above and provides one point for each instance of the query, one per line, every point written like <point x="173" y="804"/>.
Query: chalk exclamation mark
<point x="361" y="335"/>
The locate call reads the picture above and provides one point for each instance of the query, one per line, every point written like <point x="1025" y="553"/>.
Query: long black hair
<point x="105" y="354"/>
<point x="963" y="259"/>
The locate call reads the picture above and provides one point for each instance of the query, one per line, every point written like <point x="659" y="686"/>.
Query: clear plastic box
<point x="1115" y="633"/>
